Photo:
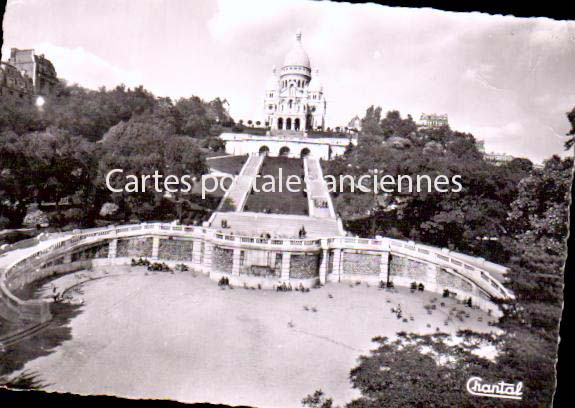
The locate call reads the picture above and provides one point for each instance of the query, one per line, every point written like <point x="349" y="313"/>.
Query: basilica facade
<point x="294" y="99"/>
<point x="294" y="106"/>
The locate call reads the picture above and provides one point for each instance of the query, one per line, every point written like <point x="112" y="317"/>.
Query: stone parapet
<point x="250" y="260"/>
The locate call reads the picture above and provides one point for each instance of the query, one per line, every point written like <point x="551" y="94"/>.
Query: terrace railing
<point x="475" y="269"/>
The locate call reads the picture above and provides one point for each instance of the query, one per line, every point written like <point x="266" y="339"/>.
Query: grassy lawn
<point x="228" y="164"/>
<point x="217" y="193"/>
<point x="284" y="202"/>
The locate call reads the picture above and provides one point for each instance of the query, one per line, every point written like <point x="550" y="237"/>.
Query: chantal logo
<point x="475" y="386"/>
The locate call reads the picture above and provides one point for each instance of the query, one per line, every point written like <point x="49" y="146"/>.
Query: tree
<point x="538" y="221"/>
<point x="51" y="153"/>
<point x="429" y="370"/>
<point x="432" y="371"/>
<point x="141" y="146"/>
<point x="43" y="167"/>
<point x="370" y="124"/>
<point x="218" y="112"/>
<point x="317" y="400"/>
<point x="76" y="110"/>
<point x="20" y="116"/>
<point x="215" y="144"/>
<point x="520" y="166"/>
<point x="394" y="125"/>
<point x="90" y="114"/>
<point x="194" y="118"/>
<point x="466" y="220"/>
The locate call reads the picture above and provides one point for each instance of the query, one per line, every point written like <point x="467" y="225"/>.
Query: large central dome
<point x="297" y="55"/>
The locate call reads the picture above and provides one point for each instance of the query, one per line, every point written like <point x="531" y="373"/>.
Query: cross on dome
<point x="297" y="57"/>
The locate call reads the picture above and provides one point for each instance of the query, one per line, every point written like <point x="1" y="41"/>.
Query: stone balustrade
<point x="252" y="261"/>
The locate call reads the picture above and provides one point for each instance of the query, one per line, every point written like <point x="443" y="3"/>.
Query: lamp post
<point x="40" y="102"/>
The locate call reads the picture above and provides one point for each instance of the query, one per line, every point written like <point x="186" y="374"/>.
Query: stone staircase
<point x="238" y="191"/>
<point x="319" y="200"/>
<point x="322" y="221"/>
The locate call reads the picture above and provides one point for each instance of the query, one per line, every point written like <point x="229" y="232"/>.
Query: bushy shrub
<point x="228" y="205"/>
<point x="140" y="262"/>
<point x="108" y="209"/>
<point x="224" y="281"/>
<point x="35" y="218"/>
<point x="74" y="215"/>
<point x="159" y="267"/>
<point x="284" y="287"/>
<point x="4" y="222"/>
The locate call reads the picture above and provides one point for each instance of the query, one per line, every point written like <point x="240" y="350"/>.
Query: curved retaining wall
<point x="322" y="148"/>
<point x="252" y="261"/>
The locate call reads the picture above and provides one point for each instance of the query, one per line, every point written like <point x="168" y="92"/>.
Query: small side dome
<point x="315" y="84"/>
<point x="273" y="82"/>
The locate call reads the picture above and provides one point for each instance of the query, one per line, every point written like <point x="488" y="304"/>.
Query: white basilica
<point x="294" y="100"/>
<point x="294" y="113"/>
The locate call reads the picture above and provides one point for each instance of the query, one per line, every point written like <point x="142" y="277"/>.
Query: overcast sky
<point x="509" y="81"/>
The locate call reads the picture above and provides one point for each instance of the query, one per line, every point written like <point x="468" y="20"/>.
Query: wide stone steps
<point x="320" y="202"/>
<point x="241" y="186"/>
<point x="281" y="226"/>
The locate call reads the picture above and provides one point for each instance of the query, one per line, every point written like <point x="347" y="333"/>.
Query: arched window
<point x="280" y="123"/>
<point x="296" y="124"/>
<point x="288" y="124"/>
<point x="264" y="150"/>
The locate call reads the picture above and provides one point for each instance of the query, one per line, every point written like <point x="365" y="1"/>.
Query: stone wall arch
<point x="264" y="150"/>
<point x="284" y="151"/>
